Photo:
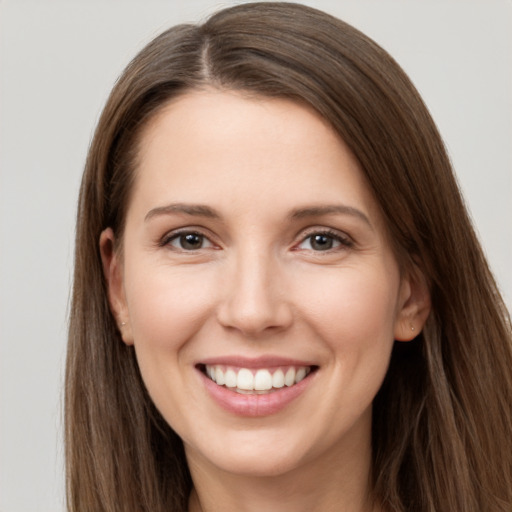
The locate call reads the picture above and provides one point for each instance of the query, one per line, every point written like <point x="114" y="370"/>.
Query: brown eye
<point x="189" y="241"/>
<point x="324" y="241"/>
<point x="321" y="242"/>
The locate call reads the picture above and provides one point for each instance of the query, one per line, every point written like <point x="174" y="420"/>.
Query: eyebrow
<point x="318" y="211"/>
<point x="196" y="210"/>
<point x="199" y="210"/>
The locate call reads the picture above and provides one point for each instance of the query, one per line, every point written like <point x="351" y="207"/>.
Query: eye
<point x="324" y="241"/>
<point x="188" y="241"/>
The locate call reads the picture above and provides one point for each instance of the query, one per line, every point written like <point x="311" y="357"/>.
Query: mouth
<point x="256" y="381"/>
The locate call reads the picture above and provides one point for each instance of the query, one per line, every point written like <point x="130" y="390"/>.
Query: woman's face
<point x="257" y="284"/>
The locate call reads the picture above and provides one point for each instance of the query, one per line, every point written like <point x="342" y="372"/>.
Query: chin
<point x="255" y="454"/>
<point x="257" y="465"/>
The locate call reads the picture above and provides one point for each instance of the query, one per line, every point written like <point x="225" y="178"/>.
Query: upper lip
<point x="265" y="361"/>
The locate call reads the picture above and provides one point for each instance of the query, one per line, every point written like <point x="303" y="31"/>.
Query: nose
<point x="255" y="302"/>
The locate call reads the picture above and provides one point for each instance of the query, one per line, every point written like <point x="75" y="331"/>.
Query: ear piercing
<point x="124" y="323"/>
<point x="412" y="328"/>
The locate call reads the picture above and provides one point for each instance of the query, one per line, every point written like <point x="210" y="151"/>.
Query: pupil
<point x="321" y="242"/>
<point x="191" y="241"/>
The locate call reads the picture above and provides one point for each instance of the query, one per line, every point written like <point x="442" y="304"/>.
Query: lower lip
<point x="255" y="405"/>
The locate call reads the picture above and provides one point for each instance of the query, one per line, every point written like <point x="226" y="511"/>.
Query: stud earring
<point x="123" y="323"/>
<point x="412" y="328"/>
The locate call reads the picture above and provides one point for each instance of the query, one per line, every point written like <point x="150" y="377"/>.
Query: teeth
<point x="262" y="380"/>
<point x="246" y="381"/>
<point x="301" y="373"/>
<point x="278" y="379"/>
<point x="230" y="379"/>
<point x="219" y="376"/>
<point x="289" y="378"/>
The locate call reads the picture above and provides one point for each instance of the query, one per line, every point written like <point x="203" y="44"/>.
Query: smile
<point x="256" y="380"/>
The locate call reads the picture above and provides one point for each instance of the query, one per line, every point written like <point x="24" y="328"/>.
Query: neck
<point x="339" y="481"/>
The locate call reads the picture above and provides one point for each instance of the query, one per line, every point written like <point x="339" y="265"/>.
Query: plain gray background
<point x="58" y="61"/>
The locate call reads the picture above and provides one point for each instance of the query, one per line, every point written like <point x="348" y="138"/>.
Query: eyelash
<point x="333" y="236"/>
<point x="344" y="241"/>
<point x="177" y="235"/>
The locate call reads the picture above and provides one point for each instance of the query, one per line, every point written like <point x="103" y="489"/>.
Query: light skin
<point x="251" y="232"/>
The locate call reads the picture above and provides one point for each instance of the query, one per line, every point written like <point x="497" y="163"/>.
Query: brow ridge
<point x="197" y="210"/>
<point x="296" y="214"/>
<point x="320" y="210"/>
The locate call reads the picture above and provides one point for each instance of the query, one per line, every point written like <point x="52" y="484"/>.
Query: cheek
<point x="354" y="309"/>
<point x="167" y="305"/>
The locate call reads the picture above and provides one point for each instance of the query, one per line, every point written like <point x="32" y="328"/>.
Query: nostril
<point x="252" y="320"/>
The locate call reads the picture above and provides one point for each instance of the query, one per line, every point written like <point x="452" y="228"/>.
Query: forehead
<point x="220" y="120"/>
<point x="210" y="146"/>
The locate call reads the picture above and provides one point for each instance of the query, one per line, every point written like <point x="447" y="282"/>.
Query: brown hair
<point x="442" y="420"/>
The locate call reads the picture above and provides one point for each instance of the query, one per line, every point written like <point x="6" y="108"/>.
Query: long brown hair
<point x="442" y="421"/>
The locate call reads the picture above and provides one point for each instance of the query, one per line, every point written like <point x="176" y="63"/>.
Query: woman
<point x="288" y="308"/>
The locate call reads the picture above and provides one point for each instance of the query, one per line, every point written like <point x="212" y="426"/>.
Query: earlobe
<point x="413" y="307"/>
<point x="112" y="270"/>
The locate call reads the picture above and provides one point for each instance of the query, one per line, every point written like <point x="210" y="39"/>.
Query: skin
<point x="257" y="283"/>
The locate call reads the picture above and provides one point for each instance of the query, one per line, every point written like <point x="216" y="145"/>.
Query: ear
<point x="113" y="272"/>
<point x="413" y="306"/>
